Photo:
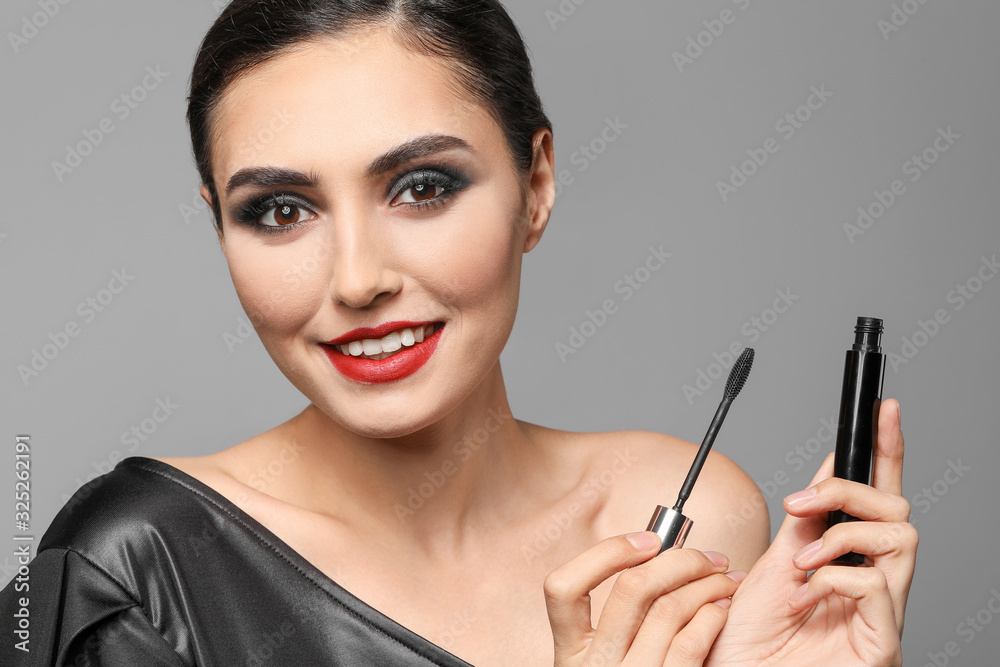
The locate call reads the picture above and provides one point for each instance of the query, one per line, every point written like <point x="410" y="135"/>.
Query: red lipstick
<point x="403" y="363"/>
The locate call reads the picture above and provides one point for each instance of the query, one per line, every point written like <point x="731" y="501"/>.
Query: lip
<point x="404" y="363"/>
<point x="381" y="331"/>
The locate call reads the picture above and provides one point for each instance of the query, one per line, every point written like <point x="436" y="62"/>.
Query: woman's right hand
<point x="666" y="611"/>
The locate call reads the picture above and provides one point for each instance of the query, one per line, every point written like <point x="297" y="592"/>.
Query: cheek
<point x="280" y="287"/>
<point x="483" y="264"/>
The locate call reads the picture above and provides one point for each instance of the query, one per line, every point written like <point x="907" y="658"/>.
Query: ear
<point x="207" y="196"/>
<point x="541" y="187"/>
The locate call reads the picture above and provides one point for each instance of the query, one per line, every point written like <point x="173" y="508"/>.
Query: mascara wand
<point x="670" y="524"/>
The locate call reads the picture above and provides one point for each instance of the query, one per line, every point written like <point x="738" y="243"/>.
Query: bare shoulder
<point x="647" y="469"/>
<point x="230" y="471"/>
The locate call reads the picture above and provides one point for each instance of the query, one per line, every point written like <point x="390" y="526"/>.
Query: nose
<point x="362" y="270"/>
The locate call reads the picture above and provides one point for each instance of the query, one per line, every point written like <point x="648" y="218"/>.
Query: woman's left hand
<point x="841" y="615"/>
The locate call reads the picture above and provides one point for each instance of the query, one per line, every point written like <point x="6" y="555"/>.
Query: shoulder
<point x="643" y="469"/>
<point x="128" y="514"/>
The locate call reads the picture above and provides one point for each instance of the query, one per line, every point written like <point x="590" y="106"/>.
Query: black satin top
<point x="147" y="566"/>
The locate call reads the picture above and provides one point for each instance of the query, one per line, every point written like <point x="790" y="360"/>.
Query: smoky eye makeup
<point x="425" y="184"/>
<point x="250" y="211"/>
<point x="421" y="188"/>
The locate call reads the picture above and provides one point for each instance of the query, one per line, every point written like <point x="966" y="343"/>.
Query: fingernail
<point x="799" y="592"/>
<point x="808" y="550"/>
<point x="899" y="415"/>
<point x="725" y="603"/>
<point x="737" y="575"/>
<point x="717" y="558"/>
<point x="801" y="497"/>
<point x="643" y="541"/>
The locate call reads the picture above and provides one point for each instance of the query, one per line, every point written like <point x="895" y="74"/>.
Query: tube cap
<point x="671" y="526"/>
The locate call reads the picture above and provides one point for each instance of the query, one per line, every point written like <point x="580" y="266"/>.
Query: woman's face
<point x="358" y="187"/>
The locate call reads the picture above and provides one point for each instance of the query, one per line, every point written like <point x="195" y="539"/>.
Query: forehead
<point x="343" y="100"/>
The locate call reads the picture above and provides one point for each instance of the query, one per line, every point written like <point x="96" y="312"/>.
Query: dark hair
<point x="476" y="39"/>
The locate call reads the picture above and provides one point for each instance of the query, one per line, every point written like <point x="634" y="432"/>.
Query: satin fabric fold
<point x="148" y="566"/>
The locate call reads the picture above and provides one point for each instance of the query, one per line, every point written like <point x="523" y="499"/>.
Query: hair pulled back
<point x="475" y="39"/>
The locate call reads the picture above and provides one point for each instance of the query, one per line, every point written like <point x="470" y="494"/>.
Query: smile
<point x="377" y="355"/>
<point x="380" y="348"/>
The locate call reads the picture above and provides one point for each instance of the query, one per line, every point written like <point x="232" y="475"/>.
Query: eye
<point x="420" y="192"/>
<point x="427" y="187"/>
<point x="284" y="213"/>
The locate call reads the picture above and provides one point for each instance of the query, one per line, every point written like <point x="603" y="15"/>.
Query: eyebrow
<point x="411" y="150"/>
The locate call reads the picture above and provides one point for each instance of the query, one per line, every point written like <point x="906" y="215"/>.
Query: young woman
<point x="375" y="239"/>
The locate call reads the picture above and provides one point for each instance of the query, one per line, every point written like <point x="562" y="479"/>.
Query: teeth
<point x="380" y="348"/>
<point x="391" y="343"/>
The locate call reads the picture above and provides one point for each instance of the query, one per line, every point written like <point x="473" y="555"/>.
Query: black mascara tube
<point x="857" y="428"/>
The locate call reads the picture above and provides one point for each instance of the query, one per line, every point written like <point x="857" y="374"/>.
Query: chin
<point x="371" y="422"/>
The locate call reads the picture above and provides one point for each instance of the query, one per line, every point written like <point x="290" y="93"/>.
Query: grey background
<point x="164" y="336"/>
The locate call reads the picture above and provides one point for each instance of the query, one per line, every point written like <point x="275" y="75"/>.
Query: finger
<point x="888" y="465"/>
<point x="892" y="546"/>
<point x="637" y="589"/>
<point x="670" y="613"/>
<point x="872" y="539"/>
<point x="825" y="470"/>
<point x="858" y="500"/>
<point x="567" y="588"/>
<point x="691" y="645"/>
<point x="867" y="587"/>
<point x="796" y="532"/>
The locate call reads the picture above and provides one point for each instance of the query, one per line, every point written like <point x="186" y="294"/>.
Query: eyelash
<point x="250" y="212"/>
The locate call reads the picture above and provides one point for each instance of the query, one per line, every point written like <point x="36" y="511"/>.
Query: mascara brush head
<point x="738" y="374"/>
<point x="737" y="378"/>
